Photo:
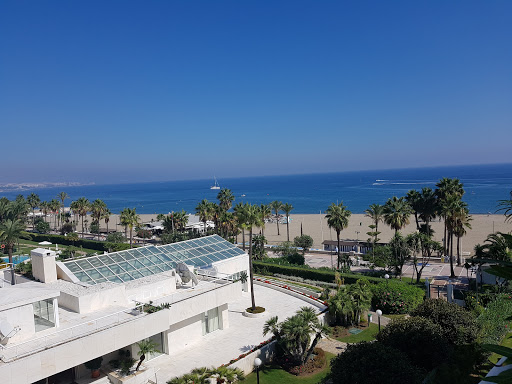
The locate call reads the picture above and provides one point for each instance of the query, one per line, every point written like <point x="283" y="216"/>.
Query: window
<point x="210" y="321"/>
<point x="44" y="314"/>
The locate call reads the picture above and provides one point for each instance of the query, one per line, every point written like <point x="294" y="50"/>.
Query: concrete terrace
<point x="243" y="334"/>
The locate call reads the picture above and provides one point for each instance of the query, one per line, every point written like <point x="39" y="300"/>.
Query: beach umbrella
<point x="45" y="243"/>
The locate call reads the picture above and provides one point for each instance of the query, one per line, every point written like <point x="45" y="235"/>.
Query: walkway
<point x="243" y="334"/>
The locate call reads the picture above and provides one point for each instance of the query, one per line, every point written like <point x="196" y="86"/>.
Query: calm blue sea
<point x="312" y="193"/>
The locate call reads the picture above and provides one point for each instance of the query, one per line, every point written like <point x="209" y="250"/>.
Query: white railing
<point x="29" y="347"/>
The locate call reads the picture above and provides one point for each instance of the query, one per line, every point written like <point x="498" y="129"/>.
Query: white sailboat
<point x="216" y="185"/>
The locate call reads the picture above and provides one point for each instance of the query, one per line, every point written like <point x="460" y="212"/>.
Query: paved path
<point x="243" y="334"/>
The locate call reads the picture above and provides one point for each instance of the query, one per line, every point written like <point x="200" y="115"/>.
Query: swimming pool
<point x="16" y="259"/>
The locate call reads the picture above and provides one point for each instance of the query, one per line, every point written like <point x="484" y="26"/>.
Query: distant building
<point x="348" y="246"/>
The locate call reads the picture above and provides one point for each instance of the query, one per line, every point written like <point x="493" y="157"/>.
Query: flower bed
<point x="287" y="287"/>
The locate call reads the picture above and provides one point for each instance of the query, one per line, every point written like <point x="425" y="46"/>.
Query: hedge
<point x="63" y="240"/>
<point x="396" y="297"/>
<point x="309" y="273"/>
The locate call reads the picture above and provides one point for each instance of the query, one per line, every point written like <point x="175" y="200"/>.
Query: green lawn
<point x="507" y="342"/>
<point x="276" y="375"/>
<point x="367" y="335"/>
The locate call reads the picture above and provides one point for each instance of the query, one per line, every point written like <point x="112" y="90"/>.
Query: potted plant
<point x="94" y="365"/>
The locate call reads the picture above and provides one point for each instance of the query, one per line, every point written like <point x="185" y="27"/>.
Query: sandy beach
<point x="315" y="225"/>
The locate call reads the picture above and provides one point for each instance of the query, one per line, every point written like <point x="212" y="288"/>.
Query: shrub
<point x="395" y="297"/>
<point x="42" y="226"/>
<point x="420" y="339"/>
<point x="367" y="362"/>
<point x="116" y="237"/>
<point x="58" y="239"/>
<point x="325" y="275"/>
<point x="493" y="321"/>
<point x="305" y="242"/>
<point x="459" y="325"/>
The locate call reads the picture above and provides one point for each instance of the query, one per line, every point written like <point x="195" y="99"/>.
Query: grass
<point x="367" y="335"/>
<point x="275" y="374"/>
<point x="507" y="342"/>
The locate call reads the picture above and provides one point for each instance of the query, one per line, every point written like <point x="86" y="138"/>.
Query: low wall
<point x="94" y="301"/>
<point x="246" y="364"/>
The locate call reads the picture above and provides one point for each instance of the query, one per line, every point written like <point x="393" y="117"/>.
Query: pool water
<point x="16" y="259"/>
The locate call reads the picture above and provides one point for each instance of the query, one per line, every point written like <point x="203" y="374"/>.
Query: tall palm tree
<point x="287" y="208"/>
<point x="203" y="210"/>
<point x="98" y="209"/>
<point x="180" y="220"/>
<point x="429" y="207"/>
<point x="10" y="232"/>
<point x="82" y="206"/>
<point x="240" y="219"/>
<point x="106" y="216"/>
<point x="277" y="206"/>
<point x="462" y="221"/>
<point x="451" y="207"/>
<point x="337" y="217"/>
<point x="445" y="188"/>
<point x="376" y="213"/>
<point x="396" y="213"/>
<point x="252" y="218"/>
<point x="62" y="196"/>
<point x="34" y="201"/>
<point x="225" y="198"/>
<point x="413" y="197"/>
<point x="506" y="206"/>
<point x="130" y="219"/>
<point x="266" y="213"/>
<point x="55" y="207"/>
<point x="44" y="206"/>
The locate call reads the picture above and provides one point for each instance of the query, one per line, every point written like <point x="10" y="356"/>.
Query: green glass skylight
<point x="133" y="264"/>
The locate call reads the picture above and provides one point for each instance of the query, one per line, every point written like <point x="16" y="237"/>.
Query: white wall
<point x="22" y="317"/>
<point x="151" y="291"/>
<point x="94" y="301"/>
<point x="51" y="361"/>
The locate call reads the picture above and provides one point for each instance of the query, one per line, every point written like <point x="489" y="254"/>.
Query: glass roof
<point x="135" y="263"/>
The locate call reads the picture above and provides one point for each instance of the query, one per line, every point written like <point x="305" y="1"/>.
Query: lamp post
<point x="379" y="314"/>
<point x="386" y="276"/>
<point x="257" y="363"/>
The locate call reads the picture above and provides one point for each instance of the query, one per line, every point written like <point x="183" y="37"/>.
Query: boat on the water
<point x="216" y="185"/>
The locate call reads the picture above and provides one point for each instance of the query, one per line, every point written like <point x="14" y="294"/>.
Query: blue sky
<point x="121" y="91"/>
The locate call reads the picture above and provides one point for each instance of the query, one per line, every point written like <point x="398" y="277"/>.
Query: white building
<point x="88" y="308"/>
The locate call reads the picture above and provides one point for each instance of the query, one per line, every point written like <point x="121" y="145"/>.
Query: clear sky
<point x="117" y="91"/>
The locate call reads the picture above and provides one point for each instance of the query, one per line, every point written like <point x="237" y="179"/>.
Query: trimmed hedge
<point x="309" y="273"/>
<point x="63" y="240"/>
<point x="396" y="297"/>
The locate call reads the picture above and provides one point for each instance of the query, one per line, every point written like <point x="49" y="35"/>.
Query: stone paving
<point x="243" y="334"/>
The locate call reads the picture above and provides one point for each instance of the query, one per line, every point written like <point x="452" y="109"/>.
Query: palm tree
<point x="287" y="208"/>
<point x="10" y="232"/>
<point x="445" y="188"/>
<point x="506" y="206"/>
<point x="451" y="208"/>
<point x="266" y="213"/>
<point x="130" y="219"/>
<point x="203" y="210"/>
<point x="337" y="217"/>
<point x="81" y="206"/>
<point x="396" y="213"/>
<point x="106" y="216"/>
<point x="225" y="198"/>
<point x="146" y="347"/>
<point x="55" y="207"/>
<point x="498" y="247"/>
<point x="413" y="197"/>
<point x="44" y="207"/>
<point x="277" y="206"/>
<point x="240" y="219"/>
<point x="34" y="201"/>
<point x="98" y="208"/>
<point x="252" y="219"/>
<point x="429" y="208"/>
<point x="462" y="221"/>
<point x="63" y="196"/>
<point x="376" y="214"/>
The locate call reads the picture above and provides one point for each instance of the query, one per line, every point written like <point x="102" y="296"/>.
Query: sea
<point x="308" y="193"/>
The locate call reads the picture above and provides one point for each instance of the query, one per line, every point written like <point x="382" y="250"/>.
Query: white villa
<point x="87" y="308"/>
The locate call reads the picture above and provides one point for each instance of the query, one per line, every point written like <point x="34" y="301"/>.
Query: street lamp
<point x="386" y="276"/>
<point x="257" y="363"/>
<point x="379" y="314"/>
